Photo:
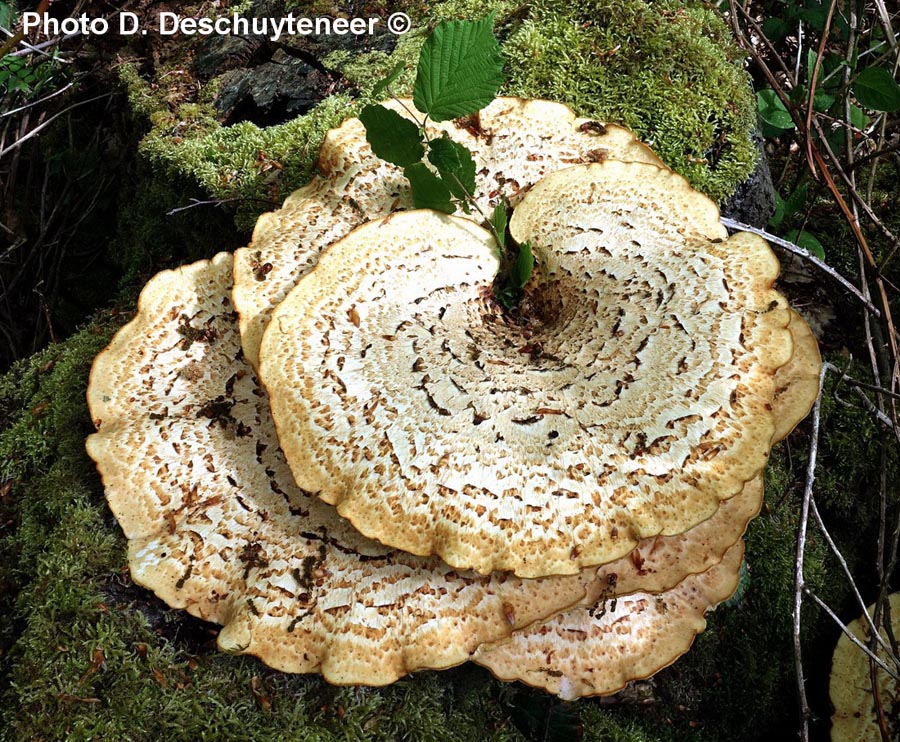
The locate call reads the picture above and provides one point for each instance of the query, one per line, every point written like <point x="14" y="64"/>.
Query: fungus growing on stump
<point x="440" y="425"/>
<point x="215" y="524"/>
<point x="193" y="473"/>
<point x="193" y="470"/>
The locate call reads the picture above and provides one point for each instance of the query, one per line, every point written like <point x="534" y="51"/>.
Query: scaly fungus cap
<point x="192" y="471"/>
<point x="637" y="403"/>
<point x="797" y="382"/>
<point x="659" y="563"/>
<point x="514" y="143"/>
<point x="599" y="650"/>
<point x="187" y="451"/>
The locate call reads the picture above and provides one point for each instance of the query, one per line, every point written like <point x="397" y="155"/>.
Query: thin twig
<point x="843" y="562"/>
<point x="870" y="406"/>
<point x="875" y="658"/>
<point x="37" y="129"/>
<point x="37" y="102"/>
<point x="806" y="255"/>
<point x="810" y="107"/>
<point x="39" y="48"/>
<point x="870" y="387"/>
<point x="197" y="202"/>
<point x="799" y="583"/>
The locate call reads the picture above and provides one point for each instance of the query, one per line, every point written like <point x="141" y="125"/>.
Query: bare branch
<point x="799" y="583"/>
<point x="806" y="255"/>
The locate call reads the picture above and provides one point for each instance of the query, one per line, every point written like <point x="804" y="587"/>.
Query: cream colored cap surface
<point x="855" y="716"/>
<point x="639" y="403"/>
<point x="797" y="382"/>
<point x="599" y="649"/>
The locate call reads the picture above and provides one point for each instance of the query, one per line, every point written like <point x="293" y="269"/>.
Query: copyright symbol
<point x="398" y="23"/>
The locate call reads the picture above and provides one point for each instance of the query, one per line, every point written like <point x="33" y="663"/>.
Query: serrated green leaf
<point x="772" y="110"/>
<point x="7" y="16"/>
<point x="523" y="267"/>
<point x="807" y="241"/>
<point x="877" y="89"/>
<point x="392" y="137"/>
<point x="382" y="85"/>
<point x="797" y="200"/>
<point x="811" y="57"/>
<point x="428" y="191"/>
<point x="822" y="102"/>
<point x="498" y="219"/>
<point x="455" y="164"/>
<point x="460" y="69"/>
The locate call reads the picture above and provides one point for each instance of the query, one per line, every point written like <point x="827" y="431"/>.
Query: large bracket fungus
<point x="193" y="473"/>
<point x="216" y="524"/>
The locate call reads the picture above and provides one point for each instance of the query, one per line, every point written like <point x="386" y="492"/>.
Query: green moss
<point x="89" y="656"/>
<point x="142" y="99"/>
<point x="256" y="167"/>
<point x="668" y="70"/>
<point x="86" y="655"/>
<point x="160" y="228"/>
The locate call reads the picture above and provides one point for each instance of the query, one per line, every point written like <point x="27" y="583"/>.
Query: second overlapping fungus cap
<point x="631" y="405"/>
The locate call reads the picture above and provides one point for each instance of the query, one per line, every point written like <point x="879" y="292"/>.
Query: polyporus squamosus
<point x="215" y="524"/>
<point x="855" y="712"/>
<point x="187" y="452"/>
<point x="514" y="143"/>
<point x="638" y="401"/>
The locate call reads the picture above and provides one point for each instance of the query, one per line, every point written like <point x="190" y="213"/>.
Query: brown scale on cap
<point x="649" y="403"/>
<point x="514" y="143"/>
